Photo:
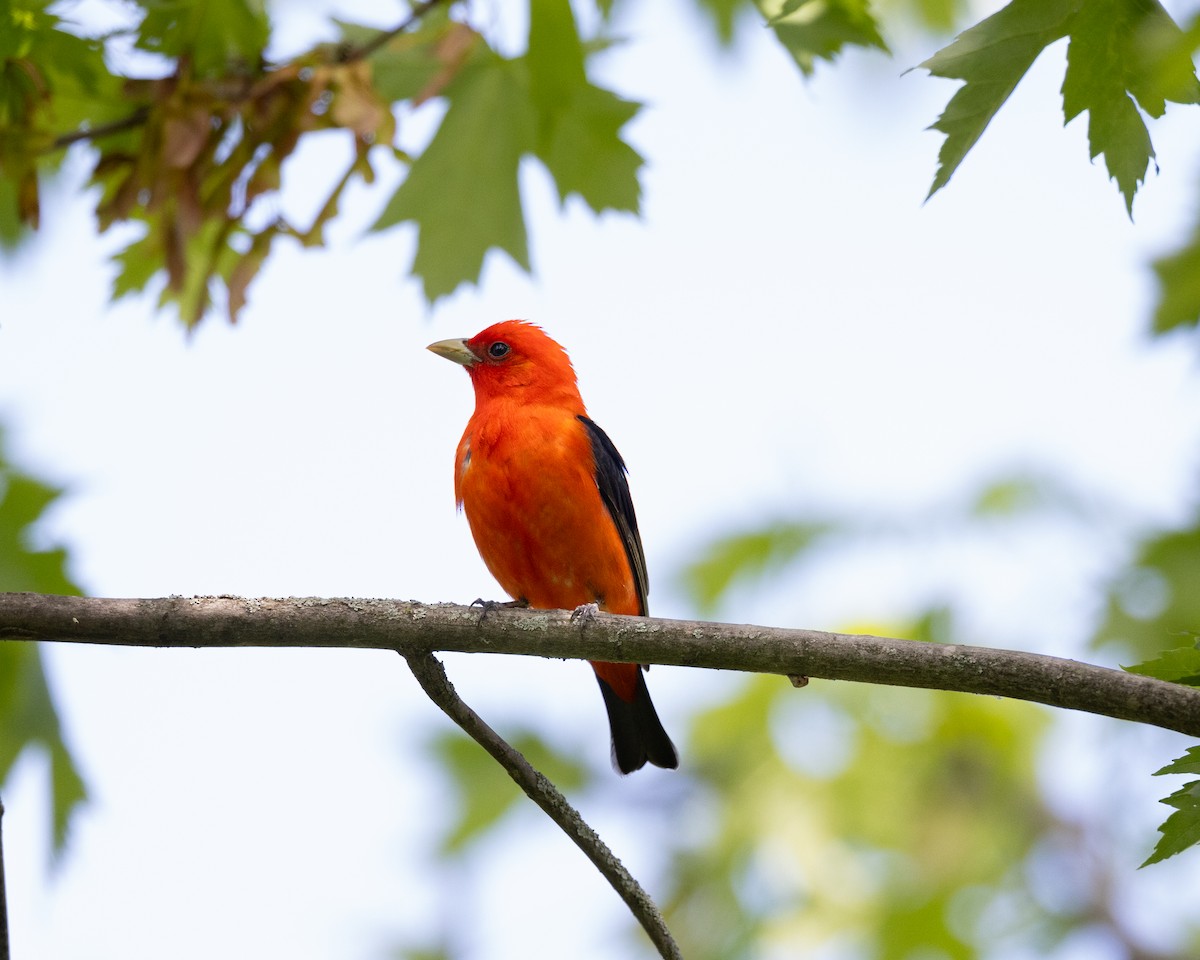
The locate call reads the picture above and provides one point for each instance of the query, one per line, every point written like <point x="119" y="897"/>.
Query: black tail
<point x="637" y="733"/>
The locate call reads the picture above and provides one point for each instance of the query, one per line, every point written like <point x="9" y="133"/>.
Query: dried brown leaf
<point x="121" y="203"/>
<point x="35" y="78"/>
<point x="246" y="270"/>
<point x="173" y="255"/>
<point x="356" y="106"/>
<point x="189" y="210"/>
<point x="452" y="50"/>
<point x="156" y="90"/>
<point x="108" y="163"/>
<point x="362" y="163"/>
<point x="185" y="136"/>
<point x="265" y="178"/>
<point x="29" y="208"/>
<point x="267" y="85"/>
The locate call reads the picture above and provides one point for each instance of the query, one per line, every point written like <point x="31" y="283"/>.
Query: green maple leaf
<point x="214" y="33"/>
<point x="579" y="124"/>
<point x="1188" y="763"/>
<point x="1125" y="57"/>
<point x="22" y="502"/>
<point x="991" y="57"/>
<point x="462" y="192"/>
<point x="586" y="155"/>
<point x="1119" y="59"/>
<point x="1181" y="665"/>
<point x="1182" y="828"/>
<point x="403" y="68"/>
<point x="812" y="30"/>
<point x="555" y="56"/>
<point x="27" y="713"/>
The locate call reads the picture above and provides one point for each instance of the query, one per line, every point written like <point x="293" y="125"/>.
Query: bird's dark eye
<point x="498" y="350"/>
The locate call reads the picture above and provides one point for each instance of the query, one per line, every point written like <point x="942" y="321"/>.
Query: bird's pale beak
<point x="456" y="350"/>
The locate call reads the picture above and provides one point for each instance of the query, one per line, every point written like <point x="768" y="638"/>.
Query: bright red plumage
<point x="545" y="495"/>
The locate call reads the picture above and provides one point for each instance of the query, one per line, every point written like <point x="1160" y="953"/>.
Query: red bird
<point x="546" y="497"/>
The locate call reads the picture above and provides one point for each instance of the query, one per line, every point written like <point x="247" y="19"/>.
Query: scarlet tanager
<point x="548" y="504"/>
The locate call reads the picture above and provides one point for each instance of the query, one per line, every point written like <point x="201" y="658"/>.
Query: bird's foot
<point x="487" y="606"/>
<point x="585" y="613"/>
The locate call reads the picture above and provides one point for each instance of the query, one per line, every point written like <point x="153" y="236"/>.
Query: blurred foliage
<point x="28" y="717"/>
<point x="894" y="823"/>
<point x="771" y="547"/>
<point x="871" y="821"/>
<point x="877" y="822"/>
<point x="1022" y="494"/>
<point x="749" y="555"/>
<point x="866" y="821"/>
<point x="52" y="82"/>
<point x="1179" y="272"/>
<point x="1179" y="286"/>
<point x="481" y="797"/>
<point x="483" y="791"/>
<point x="723" y="17"/>
<point x="423" y="953"/>
<point x="1150" y="606"/>
<point x="868" y="839"/>
<point x="937" y="16"/>
<point x="1154" y="603"/>
<point x="193" y="149"/>
<point x="813" y="30"/>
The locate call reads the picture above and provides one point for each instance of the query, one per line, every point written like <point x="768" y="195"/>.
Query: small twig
<point x="135" y="119"/>
<point x="431" y="675"/>
<point x="3" y="898"/>
<point x="383" y="38"/>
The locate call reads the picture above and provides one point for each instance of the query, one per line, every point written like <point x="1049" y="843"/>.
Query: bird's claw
<point x="487" y="606"/>
<point x="584" y="613"/>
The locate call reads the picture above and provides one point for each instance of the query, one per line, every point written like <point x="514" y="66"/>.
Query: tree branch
<point x="413" y="628"/>
<point x="432" y="677"/>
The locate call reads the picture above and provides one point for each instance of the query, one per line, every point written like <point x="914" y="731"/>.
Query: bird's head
<point x="514" y="358"/>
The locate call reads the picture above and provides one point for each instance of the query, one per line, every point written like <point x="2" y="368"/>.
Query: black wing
<point x="614" y="491"/>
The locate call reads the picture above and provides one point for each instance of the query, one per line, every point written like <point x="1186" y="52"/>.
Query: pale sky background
<point x="787" y="329"/>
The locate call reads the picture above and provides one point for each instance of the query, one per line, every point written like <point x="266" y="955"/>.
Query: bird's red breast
<point x="528" y="488"/>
